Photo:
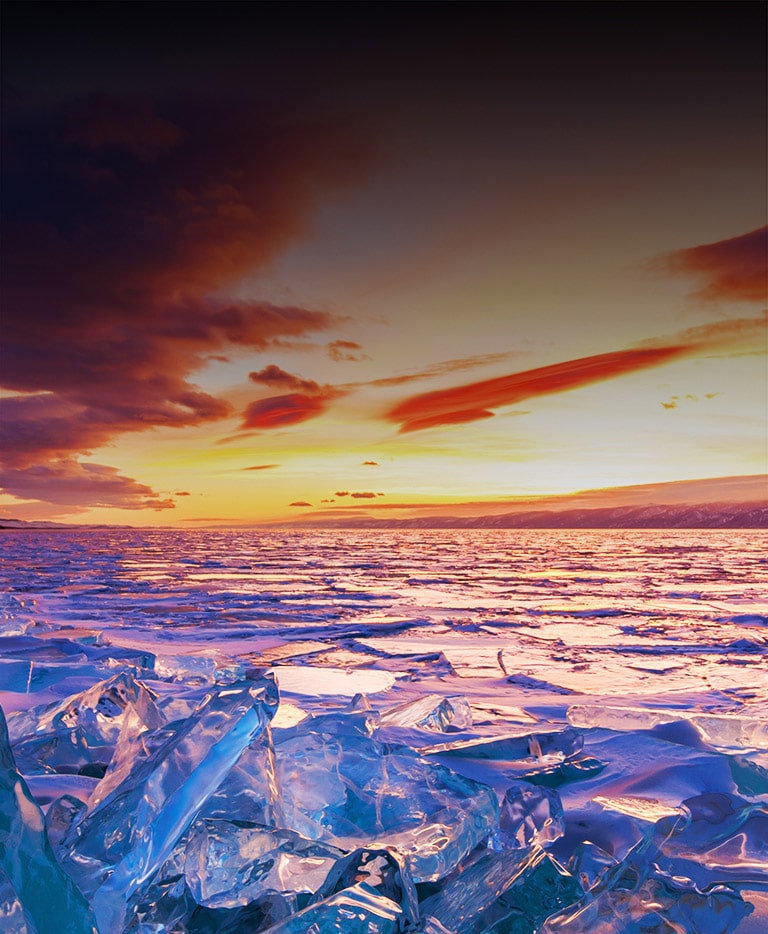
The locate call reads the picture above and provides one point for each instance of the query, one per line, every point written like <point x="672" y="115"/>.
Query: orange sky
<point x="255" y="268"/>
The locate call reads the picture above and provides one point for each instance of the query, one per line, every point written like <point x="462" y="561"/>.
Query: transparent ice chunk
<point x="63" y="814"/>
<point x="654" y="903"/>
<point x="82" y="730"/>
<point x="47" y="896"/>
<point x="723" y="731"/>
<point x="227" y="864"/>
<point x="513" y="889"/>
<point x="717" y="838"/>
<point x="649" y="890"/>
<point x="127" y="836"/>
<point x="589" y="863"/>
<point x="431" y="712"/>
<point x="338" y="784"/>
<point x="530" y="814"/>
<point x="359" y="909"/>
<point x="384" y="869"/>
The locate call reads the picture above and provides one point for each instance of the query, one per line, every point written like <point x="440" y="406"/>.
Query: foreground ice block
<point x="359" y="909"/>
<point x="228" y="864"/>
<point x="512" y="891"/>
<point x="717" y="838"/>
<point x="339" y="785"/>
<point x="80" y="733"/>
<point x="671" y="880"/>
<point x="127" y="836"/>
<point x="34" y="887"/>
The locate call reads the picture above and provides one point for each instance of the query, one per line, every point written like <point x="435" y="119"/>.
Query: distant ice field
<point x="625" y="672"/>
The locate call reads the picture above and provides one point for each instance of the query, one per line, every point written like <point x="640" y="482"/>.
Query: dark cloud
<point x="474" y="401"/>
<point x="341" y="493"/>
<point x="121" y="222"/>
<point x="363" y="496"/>
<point x="345" y="350"/>
<point x="68" y="482"/>
<point x="261" y="467"/>
<point x="370" y="463"/>
<point x="274" y="376"/>
<point x="299" y="503"/>
<point x="730" y="270"/>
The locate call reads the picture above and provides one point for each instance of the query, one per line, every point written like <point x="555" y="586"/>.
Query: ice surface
<point x="512" y="732"/>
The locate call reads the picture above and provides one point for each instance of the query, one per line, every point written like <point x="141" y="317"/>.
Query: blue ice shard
<point x="340" y="785"/>
<point x="718" y="838"/>
<point x="638" y="895"/>
<point x="359" y="909"/>
<point x="229" y="864"/>
<point x="80" y="733"/>
<point x="383" y="869"/>
<point x="47" y="898"/>
<point x="431" y="712"/>
<point x="530" y="814"/>
<point x="511" y="891"/>
<point x="128" y="835"/>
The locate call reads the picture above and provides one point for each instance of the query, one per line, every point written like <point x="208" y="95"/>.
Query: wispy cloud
<point x="346" y="351"/>
<point x="261" y="467"/>
<point x="730" y="270"/>
<point x="474" y="401"/>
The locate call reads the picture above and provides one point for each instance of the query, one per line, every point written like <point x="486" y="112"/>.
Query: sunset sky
<point x="266" y="261"/>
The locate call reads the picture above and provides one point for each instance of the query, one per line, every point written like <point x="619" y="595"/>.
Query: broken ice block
<point x="126" y="837"/>
<point x="359" y="909"/>
<point x="515" y="889"/>
<point x="44" y="892"/>
<point x="383" y="869"/>
<point x="638" y="904"/>
<point x="723" y="731"/>
<point x="227" y="864"/>
<point x="589" y="862"/>
<point x="62" y="816"/>
<point x="431" y="712"/>
<point x="718" y="838"/>
<point x="530" y="814"/>
<point x="341" y="786"/>
<point x="79" y="733"/>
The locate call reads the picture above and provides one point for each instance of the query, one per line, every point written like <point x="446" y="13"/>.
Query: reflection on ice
<point x="446" y="733"/>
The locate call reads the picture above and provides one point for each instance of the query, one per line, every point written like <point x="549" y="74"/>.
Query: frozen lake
<point x="578" y="713"/>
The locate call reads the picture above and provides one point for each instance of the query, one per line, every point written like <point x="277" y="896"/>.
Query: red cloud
<point x="345" y="350"/>
<point x="732" y="270"/>
<point x="262" y="467"/>
<point x="279" y="411"/>
<point x="300" y="503"/>
<point x="120" y="223"/>
<point x="474" y="400"/>
<point x="363" y="496"/>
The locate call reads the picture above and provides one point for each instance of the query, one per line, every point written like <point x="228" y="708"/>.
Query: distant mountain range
<point x="751" y="515"/>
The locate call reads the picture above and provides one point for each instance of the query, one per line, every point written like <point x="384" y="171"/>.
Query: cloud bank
<point x="122" y="222"/>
